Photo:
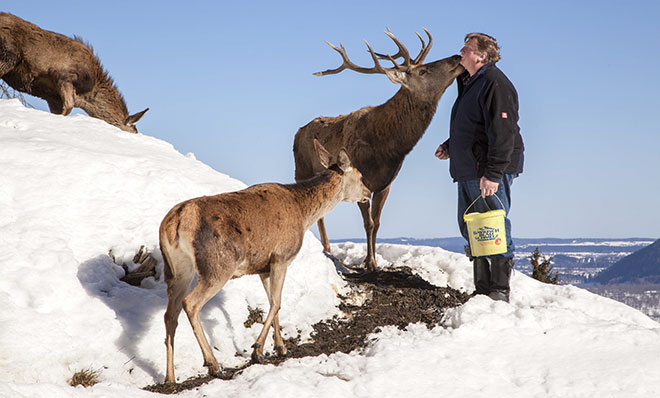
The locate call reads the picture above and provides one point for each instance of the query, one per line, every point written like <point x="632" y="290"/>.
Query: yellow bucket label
<point x="487" y="235"/>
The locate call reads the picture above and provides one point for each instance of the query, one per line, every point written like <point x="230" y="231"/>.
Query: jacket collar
<point x="479" y="72"/>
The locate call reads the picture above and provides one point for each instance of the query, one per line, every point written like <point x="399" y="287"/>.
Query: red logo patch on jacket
<point x="504" y="115"/>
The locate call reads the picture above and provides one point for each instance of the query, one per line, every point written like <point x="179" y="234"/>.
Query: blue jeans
<point x="469" y="190"/>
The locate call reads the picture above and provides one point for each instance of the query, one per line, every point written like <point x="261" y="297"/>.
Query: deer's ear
<point x="343" y="161"/>
<point x="396" y="77"/>
<point x="132" y="119"/>
<point x="323" y="154"/>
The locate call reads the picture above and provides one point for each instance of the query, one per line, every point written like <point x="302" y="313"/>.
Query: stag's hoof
<point x="370" y="265"/>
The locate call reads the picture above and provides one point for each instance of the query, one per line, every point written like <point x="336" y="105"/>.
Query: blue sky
<point x="232" y="82"/>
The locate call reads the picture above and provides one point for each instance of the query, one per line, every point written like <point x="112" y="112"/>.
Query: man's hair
<point x="485" y="44"/>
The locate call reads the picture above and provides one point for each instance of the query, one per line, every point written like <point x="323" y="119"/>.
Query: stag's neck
<point x="317" y="196"/>
<point x="104" y="101"/>
<point x="404" y="118"/>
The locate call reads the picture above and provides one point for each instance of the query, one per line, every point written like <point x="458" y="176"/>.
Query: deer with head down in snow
<point x="258" y="230"/>
<point x="64" y="72"/>
<point x="377" y="139"/>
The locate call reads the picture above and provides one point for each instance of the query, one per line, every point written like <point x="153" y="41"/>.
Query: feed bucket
<point x="486" y="230"/>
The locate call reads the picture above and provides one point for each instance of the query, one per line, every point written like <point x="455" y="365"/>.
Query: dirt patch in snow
<point x="394" y="297"/>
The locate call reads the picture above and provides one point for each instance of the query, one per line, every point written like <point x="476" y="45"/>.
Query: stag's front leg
<point x="324" y="235"/>
<point x="370" y="260"/>
<point x="277" y="274"/>
<point x="377" y="204"/>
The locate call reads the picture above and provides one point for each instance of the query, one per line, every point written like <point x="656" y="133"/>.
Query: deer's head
<point x="427" y="81"/>
<point x="352" y="186"/>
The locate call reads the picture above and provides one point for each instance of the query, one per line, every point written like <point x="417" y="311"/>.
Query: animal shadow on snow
<point x="136" y="308"/>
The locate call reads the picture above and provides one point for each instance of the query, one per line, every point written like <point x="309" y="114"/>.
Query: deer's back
<point x="242" y="229"/>
<point x="44" y="55"/>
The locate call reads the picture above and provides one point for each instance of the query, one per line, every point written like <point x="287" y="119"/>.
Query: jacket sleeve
<point x="500" y="108"/>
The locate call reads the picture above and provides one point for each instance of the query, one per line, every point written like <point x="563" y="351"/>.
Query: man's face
<point x="470" y="56"/>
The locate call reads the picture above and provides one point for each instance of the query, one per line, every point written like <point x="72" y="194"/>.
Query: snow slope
<point x="73" y="188"/>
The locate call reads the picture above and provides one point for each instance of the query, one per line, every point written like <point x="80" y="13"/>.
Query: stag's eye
<point x="422" y="72"/>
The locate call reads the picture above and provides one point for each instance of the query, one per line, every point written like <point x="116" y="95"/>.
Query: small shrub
<point x="255" y="315"/>
<point x="542" y="268"/>
<point x="86" y="378"/>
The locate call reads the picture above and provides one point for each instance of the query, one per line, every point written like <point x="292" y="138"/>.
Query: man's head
<point x="485" y="44"/>
<point x="479" y="49"/>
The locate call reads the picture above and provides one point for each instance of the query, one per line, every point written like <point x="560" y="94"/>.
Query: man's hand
<point x="442" y="152"/>
<point x="488" y="187"/>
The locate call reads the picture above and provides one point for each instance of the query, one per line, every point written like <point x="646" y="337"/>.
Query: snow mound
<point x="73" y="188"/>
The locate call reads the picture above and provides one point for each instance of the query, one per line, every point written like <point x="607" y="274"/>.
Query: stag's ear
<point x="133" y="119"/>
<point x="323" y="154"/>
<point x="343" y="161"/>
<point x="396" y="77"/>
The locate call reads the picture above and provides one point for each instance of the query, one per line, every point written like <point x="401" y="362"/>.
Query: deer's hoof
<point x="213" y="368"/>
<point x="281" y="350"/>
<point x="257" y="358"/>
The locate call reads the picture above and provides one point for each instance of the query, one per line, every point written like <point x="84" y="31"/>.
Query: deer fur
<point x="258" y="230"/>
<point x="64" y="72"/>
<point x="377" y="139"/>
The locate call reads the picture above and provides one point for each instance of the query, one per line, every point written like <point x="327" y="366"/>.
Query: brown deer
<point x="377" y="139"/>
<point x="65" y="72"/>
<point x="258" y="230"/>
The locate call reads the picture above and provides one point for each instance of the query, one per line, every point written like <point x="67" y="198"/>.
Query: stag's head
<point x="427" y="81"/>
<point x="352" y="186"/>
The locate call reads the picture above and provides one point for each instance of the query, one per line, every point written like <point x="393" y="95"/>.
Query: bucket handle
<point x="475" y="201"/>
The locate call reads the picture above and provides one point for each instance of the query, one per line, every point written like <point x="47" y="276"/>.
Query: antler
<point x="403" y="52"/>
<point x="350" y="65"/>
<point x="377" y="68"/>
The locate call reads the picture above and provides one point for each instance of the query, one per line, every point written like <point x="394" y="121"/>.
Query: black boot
<point x="481" y="275"/>
<point x="500" y="276"/>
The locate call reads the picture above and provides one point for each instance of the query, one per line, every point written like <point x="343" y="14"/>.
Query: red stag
<point x="378" y="138"/>
<point x="63" y="71"/>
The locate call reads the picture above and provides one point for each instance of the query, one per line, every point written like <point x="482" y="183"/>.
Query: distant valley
<point x="576" y="260"/>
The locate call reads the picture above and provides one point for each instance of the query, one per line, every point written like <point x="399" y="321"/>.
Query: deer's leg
<point x="67" y="93"/>
<point x="177" y="287"/>
<point x="377" y="204"/>
<point x="280" y="348"/>
<point x="192" y="304"/>
<point x="370" y="260"/>
<point x="55" y="106"/>
<point x="324" y="236"/>
<point x="277" y="274"/>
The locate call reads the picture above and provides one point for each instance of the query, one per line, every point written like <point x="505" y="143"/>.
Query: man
<point x="485" y="149"/>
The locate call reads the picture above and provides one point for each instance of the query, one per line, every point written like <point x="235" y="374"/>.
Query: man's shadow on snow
<point x="136" y="308"/>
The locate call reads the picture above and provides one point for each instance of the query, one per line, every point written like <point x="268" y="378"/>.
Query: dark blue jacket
<point x="484" y="137"/>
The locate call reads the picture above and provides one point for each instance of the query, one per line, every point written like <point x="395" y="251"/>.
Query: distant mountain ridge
<point x="577" y="260"/>
<point x="642" y="266"/>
